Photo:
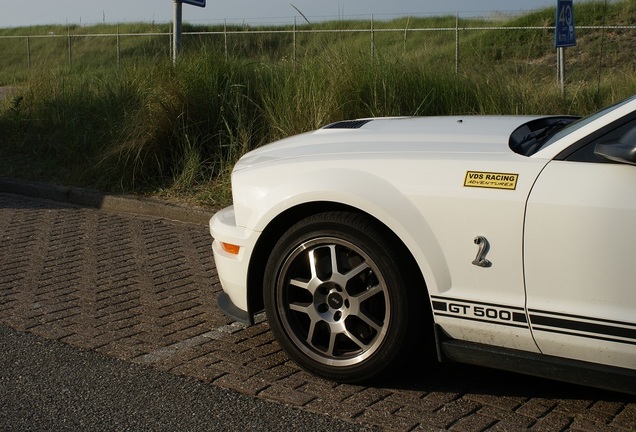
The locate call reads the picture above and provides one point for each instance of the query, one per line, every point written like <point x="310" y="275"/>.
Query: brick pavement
<point x="143" y="289"/>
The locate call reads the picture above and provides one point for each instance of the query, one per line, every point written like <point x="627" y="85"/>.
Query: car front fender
<point x="364" y="191"/>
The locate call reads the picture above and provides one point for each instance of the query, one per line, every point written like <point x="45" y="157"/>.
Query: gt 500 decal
<point x="541" y="321"/>
<point x="478" y="311"/>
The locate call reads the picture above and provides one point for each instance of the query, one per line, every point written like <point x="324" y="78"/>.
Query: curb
<point x="99" y="200"/>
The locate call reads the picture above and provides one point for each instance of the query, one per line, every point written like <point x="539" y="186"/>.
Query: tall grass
<point x="149" y="126"/>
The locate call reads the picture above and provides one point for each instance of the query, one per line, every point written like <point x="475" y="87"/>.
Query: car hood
<point x="450" y="135"/>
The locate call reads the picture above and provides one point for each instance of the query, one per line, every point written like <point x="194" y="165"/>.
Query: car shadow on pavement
<point x="429" y="375"/>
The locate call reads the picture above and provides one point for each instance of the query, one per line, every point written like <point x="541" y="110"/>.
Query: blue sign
<point x="564" y="33"/>
<point x="200" y="3"/>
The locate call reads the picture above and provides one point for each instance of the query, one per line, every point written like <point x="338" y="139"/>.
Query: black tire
<point x="337" y="297"/>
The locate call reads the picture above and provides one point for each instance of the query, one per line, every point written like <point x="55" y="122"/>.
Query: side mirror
<point x="617" y="152"/>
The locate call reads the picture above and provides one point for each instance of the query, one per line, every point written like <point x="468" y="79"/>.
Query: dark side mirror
<point x="617" y="152"/>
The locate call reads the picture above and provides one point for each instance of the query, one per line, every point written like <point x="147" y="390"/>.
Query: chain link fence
<point x="293" y="42"/>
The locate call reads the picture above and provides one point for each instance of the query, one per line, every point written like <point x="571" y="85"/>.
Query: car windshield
<point x="538" y="134"/>
<point x="574" y="126"/>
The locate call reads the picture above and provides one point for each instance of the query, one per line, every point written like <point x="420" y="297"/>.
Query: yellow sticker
<point x="491" y="180"/>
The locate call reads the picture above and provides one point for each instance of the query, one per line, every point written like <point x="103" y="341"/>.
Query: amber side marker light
<point x="230" y="248"/>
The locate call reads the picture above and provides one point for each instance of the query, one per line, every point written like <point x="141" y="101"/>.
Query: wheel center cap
<point x="335" y="301"/>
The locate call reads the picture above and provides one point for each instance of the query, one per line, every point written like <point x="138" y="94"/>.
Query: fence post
<point x="225" y="38"/>
<point x="294" y="45"/>
<point x="372" y="40"/>
<point x="408" y="20"/>
<point x="118" y="47"/>
<point x="70" y="50"/>
<point x="28" y="41"/>
<point x="457" y="43"/>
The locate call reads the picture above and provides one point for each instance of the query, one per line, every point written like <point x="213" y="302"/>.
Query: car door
<point x="580" y="254"/>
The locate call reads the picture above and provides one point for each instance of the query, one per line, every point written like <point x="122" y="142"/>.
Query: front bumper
<point x="224" y="303"/>
<point x="232" y="268"/>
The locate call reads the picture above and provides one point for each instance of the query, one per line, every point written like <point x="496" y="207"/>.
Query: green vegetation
<point x="117" y="115"/>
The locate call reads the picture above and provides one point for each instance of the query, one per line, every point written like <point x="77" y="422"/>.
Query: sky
<point x="17" y="13"/>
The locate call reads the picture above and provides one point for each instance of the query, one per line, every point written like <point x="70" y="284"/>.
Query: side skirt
<point x="567" y="370"/>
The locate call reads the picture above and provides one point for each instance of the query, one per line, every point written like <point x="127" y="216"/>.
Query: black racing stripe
<point x="579" y="317"/>
<point x="586" y="336"/>
<point x="519" y="317"/>
<point x="441" y="306"/>
<point x="601" y="329"/>
<point x="504" y="323"/>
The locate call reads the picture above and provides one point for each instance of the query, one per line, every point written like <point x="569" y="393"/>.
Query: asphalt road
<point x="108" y="321"/>
<point x="47" y="385"/>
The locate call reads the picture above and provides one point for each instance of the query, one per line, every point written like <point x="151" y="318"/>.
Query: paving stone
<point x="335" y="408"/>
<point x="202" y="373"/>
<point x="474" y="423"/>
<point x="379" y="415"/>
<point x="452" y="413"/>
<point x="499" y="401"/>
<point x="330" y="390"/>
<point x="250" y="386"/>
<point x="293" y="381"/>
<point x="278" y="374"/>
<point x="607" y="407"/>
<point x="272" y="356"/>
<point x="626" y="418"/>
<point x="286" y="395"/>
<point x="553" y="421"/>
<point x="506" y="417"/>
<point x="536" y="407"/>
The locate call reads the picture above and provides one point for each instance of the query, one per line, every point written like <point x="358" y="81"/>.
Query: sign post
<point x="177" y="28"/>
<point x="564" y="36"/>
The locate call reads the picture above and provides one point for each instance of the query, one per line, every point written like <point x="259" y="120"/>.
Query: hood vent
<point x="348" y="124"/>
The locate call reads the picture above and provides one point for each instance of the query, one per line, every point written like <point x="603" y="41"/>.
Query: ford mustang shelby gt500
<point x="504" y="241"/>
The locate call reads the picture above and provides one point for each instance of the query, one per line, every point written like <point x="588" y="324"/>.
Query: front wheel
<point x="336" y="296"/>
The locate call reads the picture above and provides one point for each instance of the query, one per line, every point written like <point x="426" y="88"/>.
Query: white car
<point x="503" y="241"/>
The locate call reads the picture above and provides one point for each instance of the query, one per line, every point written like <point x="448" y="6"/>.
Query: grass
<point x="136" y="123"/>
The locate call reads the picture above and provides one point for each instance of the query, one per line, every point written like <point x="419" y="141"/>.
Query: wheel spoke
<point x="332" y="343"/>
<point x="333" y="338"/>
<point x="355" y="340"/>
<point x="370" y="322"/>
<point x="312" y="264"/>
<point x="318" y="270"/>
<point x="300" y="307"/>
<point x="355" y="271"/>
<point x="299" y="283"/>
<point x="310" y="332"/>
<point x="368" y="293"/>
<point x="333" y="259"/>
<point x="314" y="319"/>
